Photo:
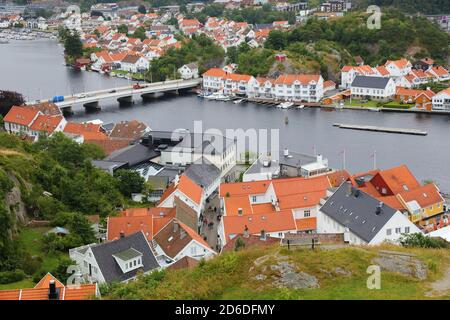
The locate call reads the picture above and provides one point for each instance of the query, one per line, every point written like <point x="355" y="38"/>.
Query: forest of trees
<point x="59" y="184"/>
<point x="200" y="49"/>
<point x="410" y="6"/>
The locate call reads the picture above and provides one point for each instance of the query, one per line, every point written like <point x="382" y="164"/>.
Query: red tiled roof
<point x="46" y="123"/>
<point x="149" y="225"/>
<point x="244" y="188"/>
<point x="306" y="224"/>
<point x="302" y="78"/>
<point x="215" y="72"/>
<point x="190" y="189"/>
<point x="425" y="196"/>
<point x="41" y="291"/>
<point x="21" y="115"/>
<point x="273" y="222"/>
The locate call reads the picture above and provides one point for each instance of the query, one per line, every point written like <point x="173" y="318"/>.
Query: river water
<point x="35" y="68"/>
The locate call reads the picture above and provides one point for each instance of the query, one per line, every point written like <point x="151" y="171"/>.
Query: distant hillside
<point x="410" y="6"/>
<point x="275" y="273"/>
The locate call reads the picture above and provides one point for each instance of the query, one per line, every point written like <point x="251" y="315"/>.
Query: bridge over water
<point x="91" y="99"/>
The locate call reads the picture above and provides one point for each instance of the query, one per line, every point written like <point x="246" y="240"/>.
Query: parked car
<point x="112" y="91"/>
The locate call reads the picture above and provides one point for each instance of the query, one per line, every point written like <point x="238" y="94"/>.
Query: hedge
<point x="11" y="276"/>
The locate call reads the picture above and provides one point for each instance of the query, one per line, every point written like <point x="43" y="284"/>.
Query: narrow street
<point x="209" y="229"/>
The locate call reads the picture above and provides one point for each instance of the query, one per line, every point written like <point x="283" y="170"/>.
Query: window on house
<point x="406" y="229"/>
<point x="398" y="230"/>
<point x="388" y="232"/>
<point x="307" y="213"/>
<point x="254" y="198"/>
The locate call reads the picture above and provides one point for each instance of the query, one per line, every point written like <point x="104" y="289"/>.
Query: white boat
<point x="238" y="101"/>
<point x="285" y="105"/>
<point x="301" y="106"/>
<point x="217" y="96"/>
<point x="374" y="109"/>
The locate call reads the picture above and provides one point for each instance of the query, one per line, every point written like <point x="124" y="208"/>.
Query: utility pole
<point x="343" y="159"/>
<point x="374" y="159"/>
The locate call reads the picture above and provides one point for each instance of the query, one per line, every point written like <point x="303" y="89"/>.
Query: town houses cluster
<point x="398" y="80"/>
<point x="290" y="87"/>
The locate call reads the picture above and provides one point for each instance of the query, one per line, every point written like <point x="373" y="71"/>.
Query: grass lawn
<point x="232" y="276"/>
<point x="25" y="283"/>
<point x="357" y="103"/>
<point x="398" y="105"/>
<point x="31" y="238"/>
<point x="119" y="72"/>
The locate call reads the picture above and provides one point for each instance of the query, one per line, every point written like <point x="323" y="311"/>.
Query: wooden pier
<point x="381" y="129"/>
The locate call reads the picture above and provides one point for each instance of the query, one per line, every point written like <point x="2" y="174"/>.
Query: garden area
<point x="39" y="262"/>
<point x="361" y="103"/>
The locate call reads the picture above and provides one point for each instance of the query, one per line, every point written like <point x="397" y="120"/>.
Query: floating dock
<point x="381" y="129"/>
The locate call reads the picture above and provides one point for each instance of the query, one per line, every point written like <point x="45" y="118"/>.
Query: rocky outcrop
<point x="406" y="265"/>
<point x="282" y="273"/>
<point x="14" y="202"/>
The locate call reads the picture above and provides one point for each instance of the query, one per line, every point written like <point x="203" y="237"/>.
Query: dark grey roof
<point x="370" y="82"/>
<point x="203" y="173"/>
<point x="295" y="159"/>
<point x="111" y="271"/>
<point x="168" y="172"/>
<point x="133" y="155"/>
<point x="107" y="165"/>
<point x="357" y="211"/>
<point x="259" y="26"/>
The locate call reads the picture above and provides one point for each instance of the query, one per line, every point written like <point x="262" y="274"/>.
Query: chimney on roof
<point x="379" y="209"/>
<point x="122" y="234"/>
<point x="263" y="235"/>
<point x="182" y="234"/>
<point x="175" y="226"/>
<point x="52" y="293"/>
<point x="246" y="234"/>
<point x="349" y="189"/>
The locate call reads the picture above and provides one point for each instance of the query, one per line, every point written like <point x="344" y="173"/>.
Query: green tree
<point x="73" y="46"/>
<point x="123" y="28"/>
<point x="140" y="33"/>
<point x="142" y="9"/>
<point x="129" y="182"/>
<point x="276" y="40"/>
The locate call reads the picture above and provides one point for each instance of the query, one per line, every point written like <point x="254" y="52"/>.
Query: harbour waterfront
<point x="38" y="73"/>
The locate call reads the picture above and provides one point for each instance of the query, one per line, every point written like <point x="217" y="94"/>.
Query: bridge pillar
<point x="92" y="106"/>
<point x="67" y="111"/>
<point x="148" y="96"/>
<point x="172" y="92"/>
<point x="125" y="100"/>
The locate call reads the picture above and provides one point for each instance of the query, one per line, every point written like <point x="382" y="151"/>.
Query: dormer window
<point x="128" y="260"/>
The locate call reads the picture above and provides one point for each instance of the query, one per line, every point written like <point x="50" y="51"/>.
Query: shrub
<point x="396" y="105"/>
<point x="419" y="240"/>
<point x="11" y="276"/>
<point x="31" y="265"/>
